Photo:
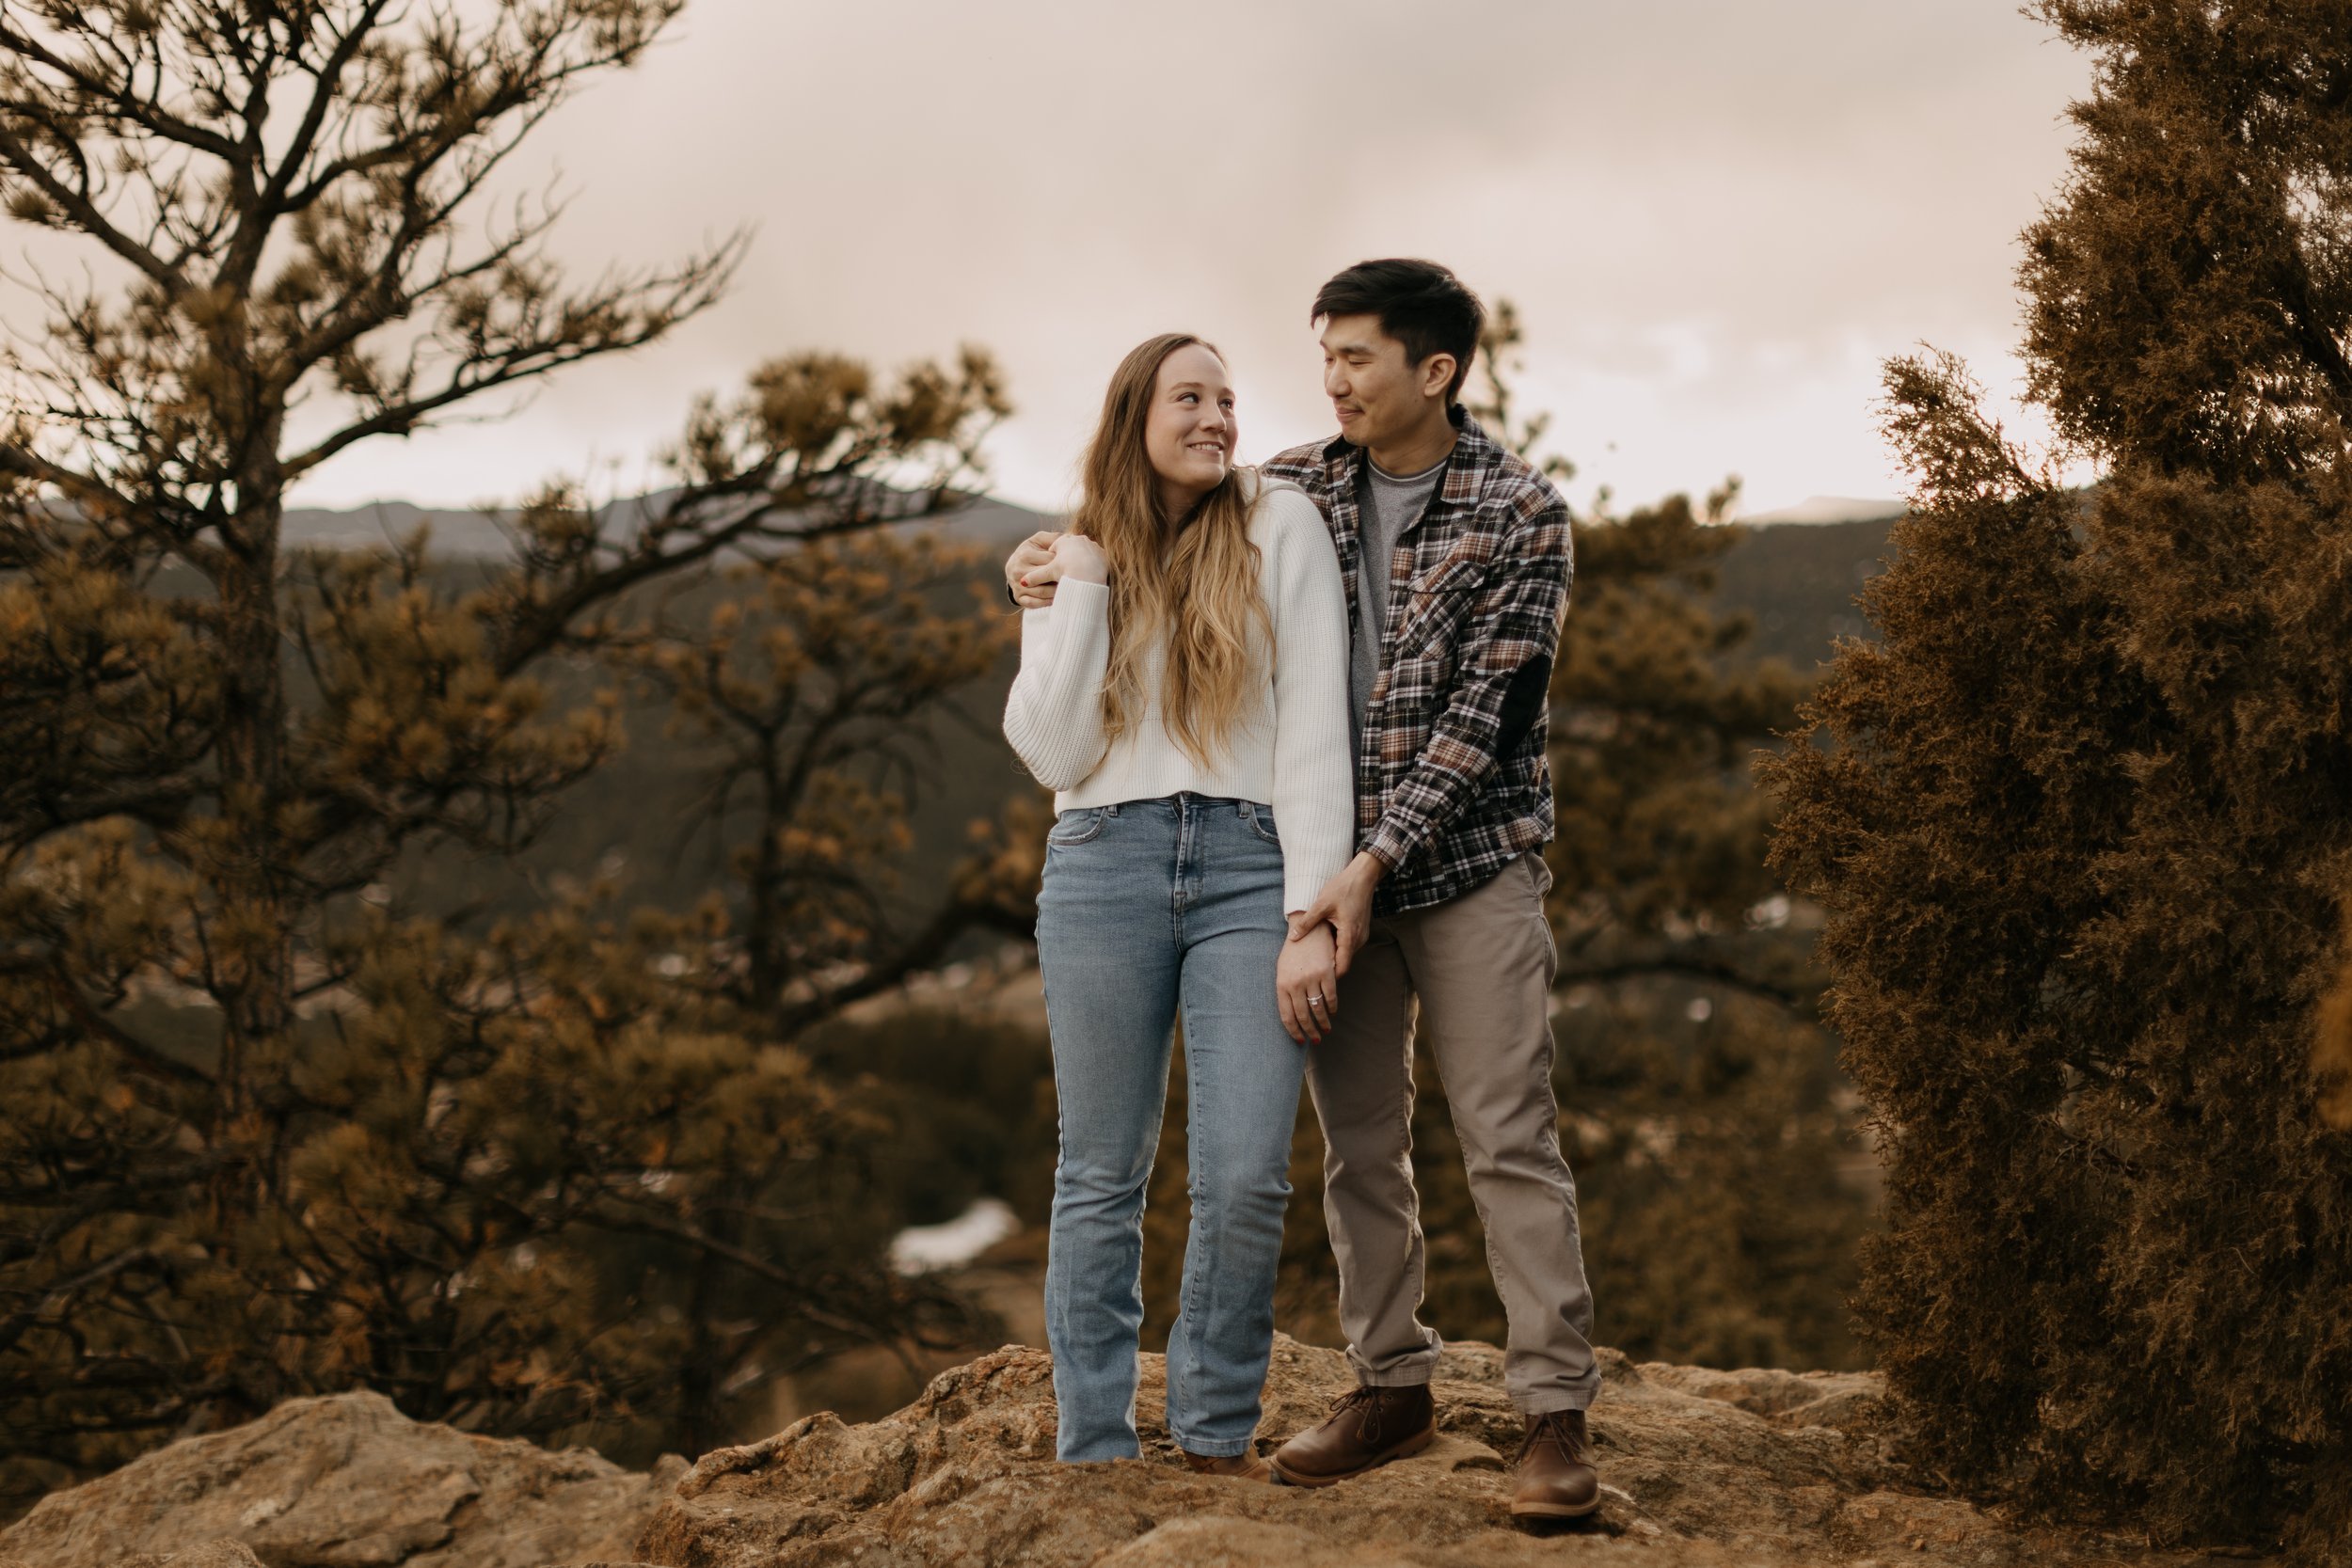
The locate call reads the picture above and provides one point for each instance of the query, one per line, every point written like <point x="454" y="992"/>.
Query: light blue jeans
<point x="1146" y="908"/>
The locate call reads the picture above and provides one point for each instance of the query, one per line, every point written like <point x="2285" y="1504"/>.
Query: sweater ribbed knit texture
<point x="1289" y="748"/>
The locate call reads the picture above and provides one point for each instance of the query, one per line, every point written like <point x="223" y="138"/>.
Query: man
<point x="1456" y="559"/>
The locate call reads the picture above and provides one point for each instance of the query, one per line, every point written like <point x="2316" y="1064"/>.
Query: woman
<point x="1185" y="695"/>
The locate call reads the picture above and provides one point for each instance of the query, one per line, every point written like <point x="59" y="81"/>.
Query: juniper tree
<point x="263" y="1138"/>
<point x="2331" y="1047"/>
<point x="2078" y="816"/>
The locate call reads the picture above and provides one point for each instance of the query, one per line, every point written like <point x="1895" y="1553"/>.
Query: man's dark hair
<point x="1420" y="303"/>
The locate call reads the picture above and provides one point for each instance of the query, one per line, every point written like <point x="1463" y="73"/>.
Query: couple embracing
<point x="1295" y="722"/>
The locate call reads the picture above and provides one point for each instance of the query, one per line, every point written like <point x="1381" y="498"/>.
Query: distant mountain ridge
<point x="1795" y="572"/>
<point x="474" y="533"/>
<point x="1830" y="509"/>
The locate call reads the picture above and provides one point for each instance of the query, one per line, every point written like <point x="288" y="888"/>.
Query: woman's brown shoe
<point x="1557" y="1476"/>
<point x="1368" y="1427"/>
<point x="1241" y="1466"/>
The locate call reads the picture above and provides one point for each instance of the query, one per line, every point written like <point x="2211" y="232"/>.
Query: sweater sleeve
<point x="1314" y="791"/>
<point x="1054" y="717"/>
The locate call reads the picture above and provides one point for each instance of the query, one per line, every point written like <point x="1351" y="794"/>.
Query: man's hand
<point x="1030" y="571"/>
<point x="1076" y="559"/>
<point x="1307" y="985"/>
<point x="1344" y="905"/>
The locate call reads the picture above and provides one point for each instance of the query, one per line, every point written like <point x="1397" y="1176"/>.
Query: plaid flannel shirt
<point x="1452" y="783"/>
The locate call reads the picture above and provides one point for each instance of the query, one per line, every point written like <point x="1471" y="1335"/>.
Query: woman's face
<point x="1189" y="434"/>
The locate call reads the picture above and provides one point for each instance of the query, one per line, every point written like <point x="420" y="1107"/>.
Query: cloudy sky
<point x="1716" y="216"/>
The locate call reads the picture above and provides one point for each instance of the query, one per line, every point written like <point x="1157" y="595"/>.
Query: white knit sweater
<point x="1289" y="748"/>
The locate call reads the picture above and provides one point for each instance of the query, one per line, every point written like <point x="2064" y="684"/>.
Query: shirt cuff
<point x="1388" y="844"/>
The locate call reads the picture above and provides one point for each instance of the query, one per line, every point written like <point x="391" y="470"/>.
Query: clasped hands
<point x="1324" y="939"/>
<point x="1044" y="558"/>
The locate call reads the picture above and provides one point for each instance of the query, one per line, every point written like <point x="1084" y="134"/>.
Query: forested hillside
<point x="636" y="822"/>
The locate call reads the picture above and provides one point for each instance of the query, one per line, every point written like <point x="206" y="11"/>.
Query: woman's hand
<point x="1029" y="556"/>
<point x="1307" y="984"/>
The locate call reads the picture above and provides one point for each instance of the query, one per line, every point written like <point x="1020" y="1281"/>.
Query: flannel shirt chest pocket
<point x="1441" y="596"/>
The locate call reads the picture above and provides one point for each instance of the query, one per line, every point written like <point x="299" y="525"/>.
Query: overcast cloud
<point x="1716" y="216"/>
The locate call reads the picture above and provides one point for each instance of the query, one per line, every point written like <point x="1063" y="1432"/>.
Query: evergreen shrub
<point x="2078" y="818"/>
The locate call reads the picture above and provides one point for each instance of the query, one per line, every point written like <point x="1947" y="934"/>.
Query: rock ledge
<point x="1699" y="1467"/>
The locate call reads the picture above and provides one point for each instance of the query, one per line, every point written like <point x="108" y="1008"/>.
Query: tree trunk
<point x="763" y="936"/>
<point x="253" y="911"/>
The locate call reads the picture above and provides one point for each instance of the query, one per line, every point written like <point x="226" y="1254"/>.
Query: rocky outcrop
<point x="342" y="1482"/>
<point x="1700" y="1468"/>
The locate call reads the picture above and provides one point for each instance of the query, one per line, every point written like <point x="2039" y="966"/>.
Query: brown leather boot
<point x="1366" y="1428"/>
<point x="1557" y="1476"/>
<point x="1241" y="1466"/>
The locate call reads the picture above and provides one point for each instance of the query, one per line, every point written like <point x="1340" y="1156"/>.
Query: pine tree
<point x="810" y="677"/>
<point x="266" y="1138"/>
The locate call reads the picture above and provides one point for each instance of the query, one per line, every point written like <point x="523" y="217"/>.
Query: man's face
<point x="1377" y="393"/>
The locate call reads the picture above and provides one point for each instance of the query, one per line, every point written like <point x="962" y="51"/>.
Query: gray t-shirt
<point x="1391" y="505"/>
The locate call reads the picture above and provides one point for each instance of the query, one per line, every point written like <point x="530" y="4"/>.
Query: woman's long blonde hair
<point x="1195" y="576"/>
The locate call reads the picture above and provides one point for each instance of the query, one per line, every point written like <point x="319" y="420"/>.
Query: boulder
<point x="346" y="1482"/>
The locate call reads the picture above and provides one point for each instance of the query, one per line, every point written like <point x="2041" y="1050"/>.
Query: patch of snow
<point x="923" y="1249"/>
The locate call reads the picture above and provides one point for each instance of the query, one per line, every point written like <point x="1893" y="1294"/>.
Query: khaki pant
<point x="1481" y="966"/>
